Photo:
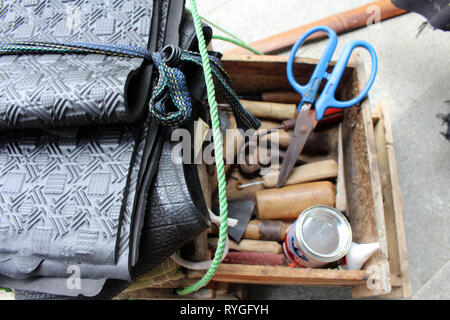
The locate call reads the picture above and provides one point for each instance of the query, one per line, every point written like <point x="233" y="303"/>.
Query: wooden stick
<point x="341" y="194"/>
<point x="341" y="22"/>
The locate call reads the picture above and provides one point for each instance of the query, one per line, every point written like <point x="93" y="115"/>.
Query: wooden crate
<point x="373" y="195"/>
<point x="368" y="181"/>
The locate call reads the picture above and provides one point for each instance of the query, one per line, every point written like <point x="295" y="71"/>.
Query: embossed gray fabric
<point x="62" y="202"/>
<point x="37" y="91"/>
<point x="79" y="196"/>
<point x="71" y="199"/>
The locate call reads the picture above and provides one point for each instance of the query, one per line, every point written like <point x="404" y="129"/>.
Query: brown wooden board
<point x="393" y="205"/>
<point x="279" y="275"/>
<point x="364" y="195"/>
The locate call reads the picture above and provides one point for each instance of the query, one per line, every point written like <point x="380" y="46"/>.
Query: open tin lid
<point x="324" y="233"/>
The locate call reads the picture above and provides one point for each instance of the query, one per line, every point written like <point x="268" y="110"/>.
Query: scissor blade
<point x="303" y="128"/>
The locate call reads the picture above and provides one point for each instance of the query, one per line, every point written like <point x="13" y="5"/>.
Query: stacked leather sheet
<point x="81" y="184"/>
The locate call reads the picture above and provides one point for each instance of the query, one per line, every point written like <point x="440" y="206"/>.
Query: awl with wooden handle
<point x="317" y="143"/>
<point x="320" y="170"/>
<point x="266" y="230"/>
<point x="269" y="230"/>
<point x="286" y="112"/>
<point x="270" y="110"/>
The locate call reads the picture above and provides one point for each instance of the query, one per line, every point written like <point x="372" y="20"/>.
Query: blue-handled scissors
<point x="307" y="119"/>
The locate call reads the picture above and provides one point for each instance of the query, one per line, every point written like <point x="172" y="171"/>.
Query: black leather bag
<point x="87" y="185"/>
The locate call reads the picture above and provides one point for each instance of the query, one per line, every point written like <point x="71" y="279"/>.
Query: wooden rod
<point x="341" y="22"/>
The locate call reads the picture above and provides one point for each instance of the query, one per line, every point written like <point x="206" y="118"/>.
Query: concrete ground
<point x="413" y="76"/>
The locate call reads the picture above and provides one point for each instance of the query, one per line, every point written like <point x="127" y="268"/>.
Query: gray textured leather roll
<point x="62" y="200"/>
<point x="37" y="91"/>
<point x="86" y="196"/>
<point x="71" y="201"/>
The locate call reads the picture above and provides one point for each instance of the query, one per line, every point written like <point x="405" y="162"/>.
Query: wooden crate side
<point x="365" y="200"/>
<point x="393" y="205"/>
<point x="256" y="74"/>
<point x="277" y="275"/>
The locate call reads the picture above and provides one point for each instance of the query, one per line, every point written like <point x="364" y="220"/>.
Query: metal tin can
<point x="319" y="236"/>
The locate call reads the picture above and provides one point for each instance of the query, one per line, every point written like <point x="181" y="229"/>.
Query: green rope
<point x="238" y="43"/>
<point x="234" y="39"/>
<point x="220" y="28"/>
<point x="218" y="154"/>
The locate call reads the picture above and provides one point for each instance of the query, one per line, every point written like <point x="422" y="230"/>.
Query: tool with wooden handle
<point x="317" y="143"/>
<point x="250" y="245"/>
<point x="286" y="112"/>
<point x="321" y="170"/>
<point x="269" y="153"/>
<point x="282" y="96"/>
<point x="270" y="110"/>
<point x="283" y="135"/>
<point x="268" y="230"/>
<point x="288" y="202"/>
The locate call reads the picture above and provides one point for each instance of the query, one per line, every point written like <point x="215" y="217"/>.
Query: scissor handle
<point x="309" y="91"/>
<point x="327" y="99"/>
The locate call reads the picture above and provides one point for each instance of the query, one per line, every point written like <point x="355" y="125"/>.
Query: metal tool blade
<point x="242" y="210"/>
<point x="304" y="126"/>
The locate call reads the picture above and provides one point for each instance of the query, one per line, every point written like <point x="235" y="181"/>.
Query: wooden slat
<point x="393" y="206"/>
<point x="376" y="115"/>
<point x="285" y="275"/>
<point x="200" y="243"/>
<point x="341" y="193"/>
<point x="369" y="223"/>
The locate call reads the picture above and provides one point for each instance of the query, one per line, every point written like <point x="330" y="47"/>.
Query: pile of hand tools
<point x="265" y="212"/>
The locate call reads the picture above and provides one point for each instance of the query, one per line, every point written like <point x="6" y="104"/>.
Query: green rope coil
<point x="218" y="154"/>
